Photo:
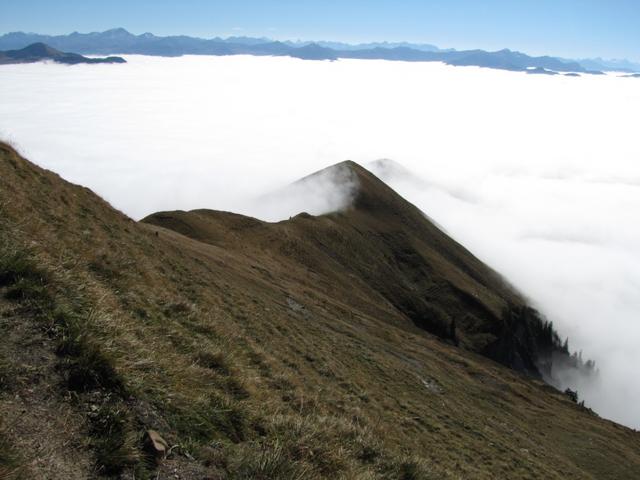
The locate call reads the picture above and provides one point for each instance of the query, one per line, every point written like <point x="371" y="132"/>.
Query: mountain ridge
<point x="414" y="259"/>
<point x="120" y="41"/>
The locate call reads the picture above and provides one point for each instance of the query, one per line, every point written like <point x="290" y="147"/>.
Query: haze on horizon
<point x="567" y="28"/>
<point x="537" y="175"/>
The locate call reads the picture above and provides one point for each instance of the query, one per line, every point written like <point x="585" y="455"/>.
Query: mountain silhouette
<point x="38" y="52"/>
<point x="121" y="41"/>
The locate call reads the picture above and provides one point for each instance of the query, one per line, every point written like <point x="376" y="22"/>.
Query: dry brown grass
<point x="256" y="367"/>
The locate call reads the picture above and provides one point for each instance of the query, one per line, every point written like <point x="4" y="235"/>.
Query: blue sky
<point x="572" y="28"/>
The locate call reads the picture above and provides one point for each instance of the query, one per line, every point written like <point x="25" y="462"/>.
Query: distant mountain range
<point x="121" y="41"/>
<point x="610" y="65"/>
<point x="37" y="52"/>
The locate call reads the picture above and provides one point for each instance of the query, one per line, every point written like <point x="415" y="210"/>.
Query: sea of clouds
<point x="539" y="176"/>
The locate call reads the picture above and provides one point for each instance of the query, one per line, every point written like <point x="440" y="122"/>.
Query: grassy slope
<point x="382" y="257"/>
<point x="383" y="248"/>
<point x="260" y="367"/>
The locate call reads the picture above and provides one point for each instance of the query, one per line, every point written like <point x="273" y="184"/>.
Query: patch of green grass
<point x="214" y="418"/>
<point x="24" y="280"/>
<point x="16" y="265"/>
<point x="88" y="367"/>
<point x="116" y="444"/>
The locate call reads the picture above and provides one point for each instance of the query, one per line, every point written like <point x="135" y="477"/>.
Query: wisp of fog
<point x="539" y="176"/>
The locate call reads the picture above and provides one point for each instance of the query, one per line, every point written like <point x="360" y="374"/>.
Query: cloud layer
<point x="539" y="176"/>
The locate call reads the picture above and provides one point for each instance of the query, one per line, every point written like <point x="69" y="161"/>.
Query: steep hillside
<point x="263" y="350"/>
<point x="384" y="251"/>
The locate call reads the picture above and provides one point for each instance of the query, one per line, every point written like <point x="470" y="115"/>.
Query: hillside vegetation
<point x="354" y="345"/>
